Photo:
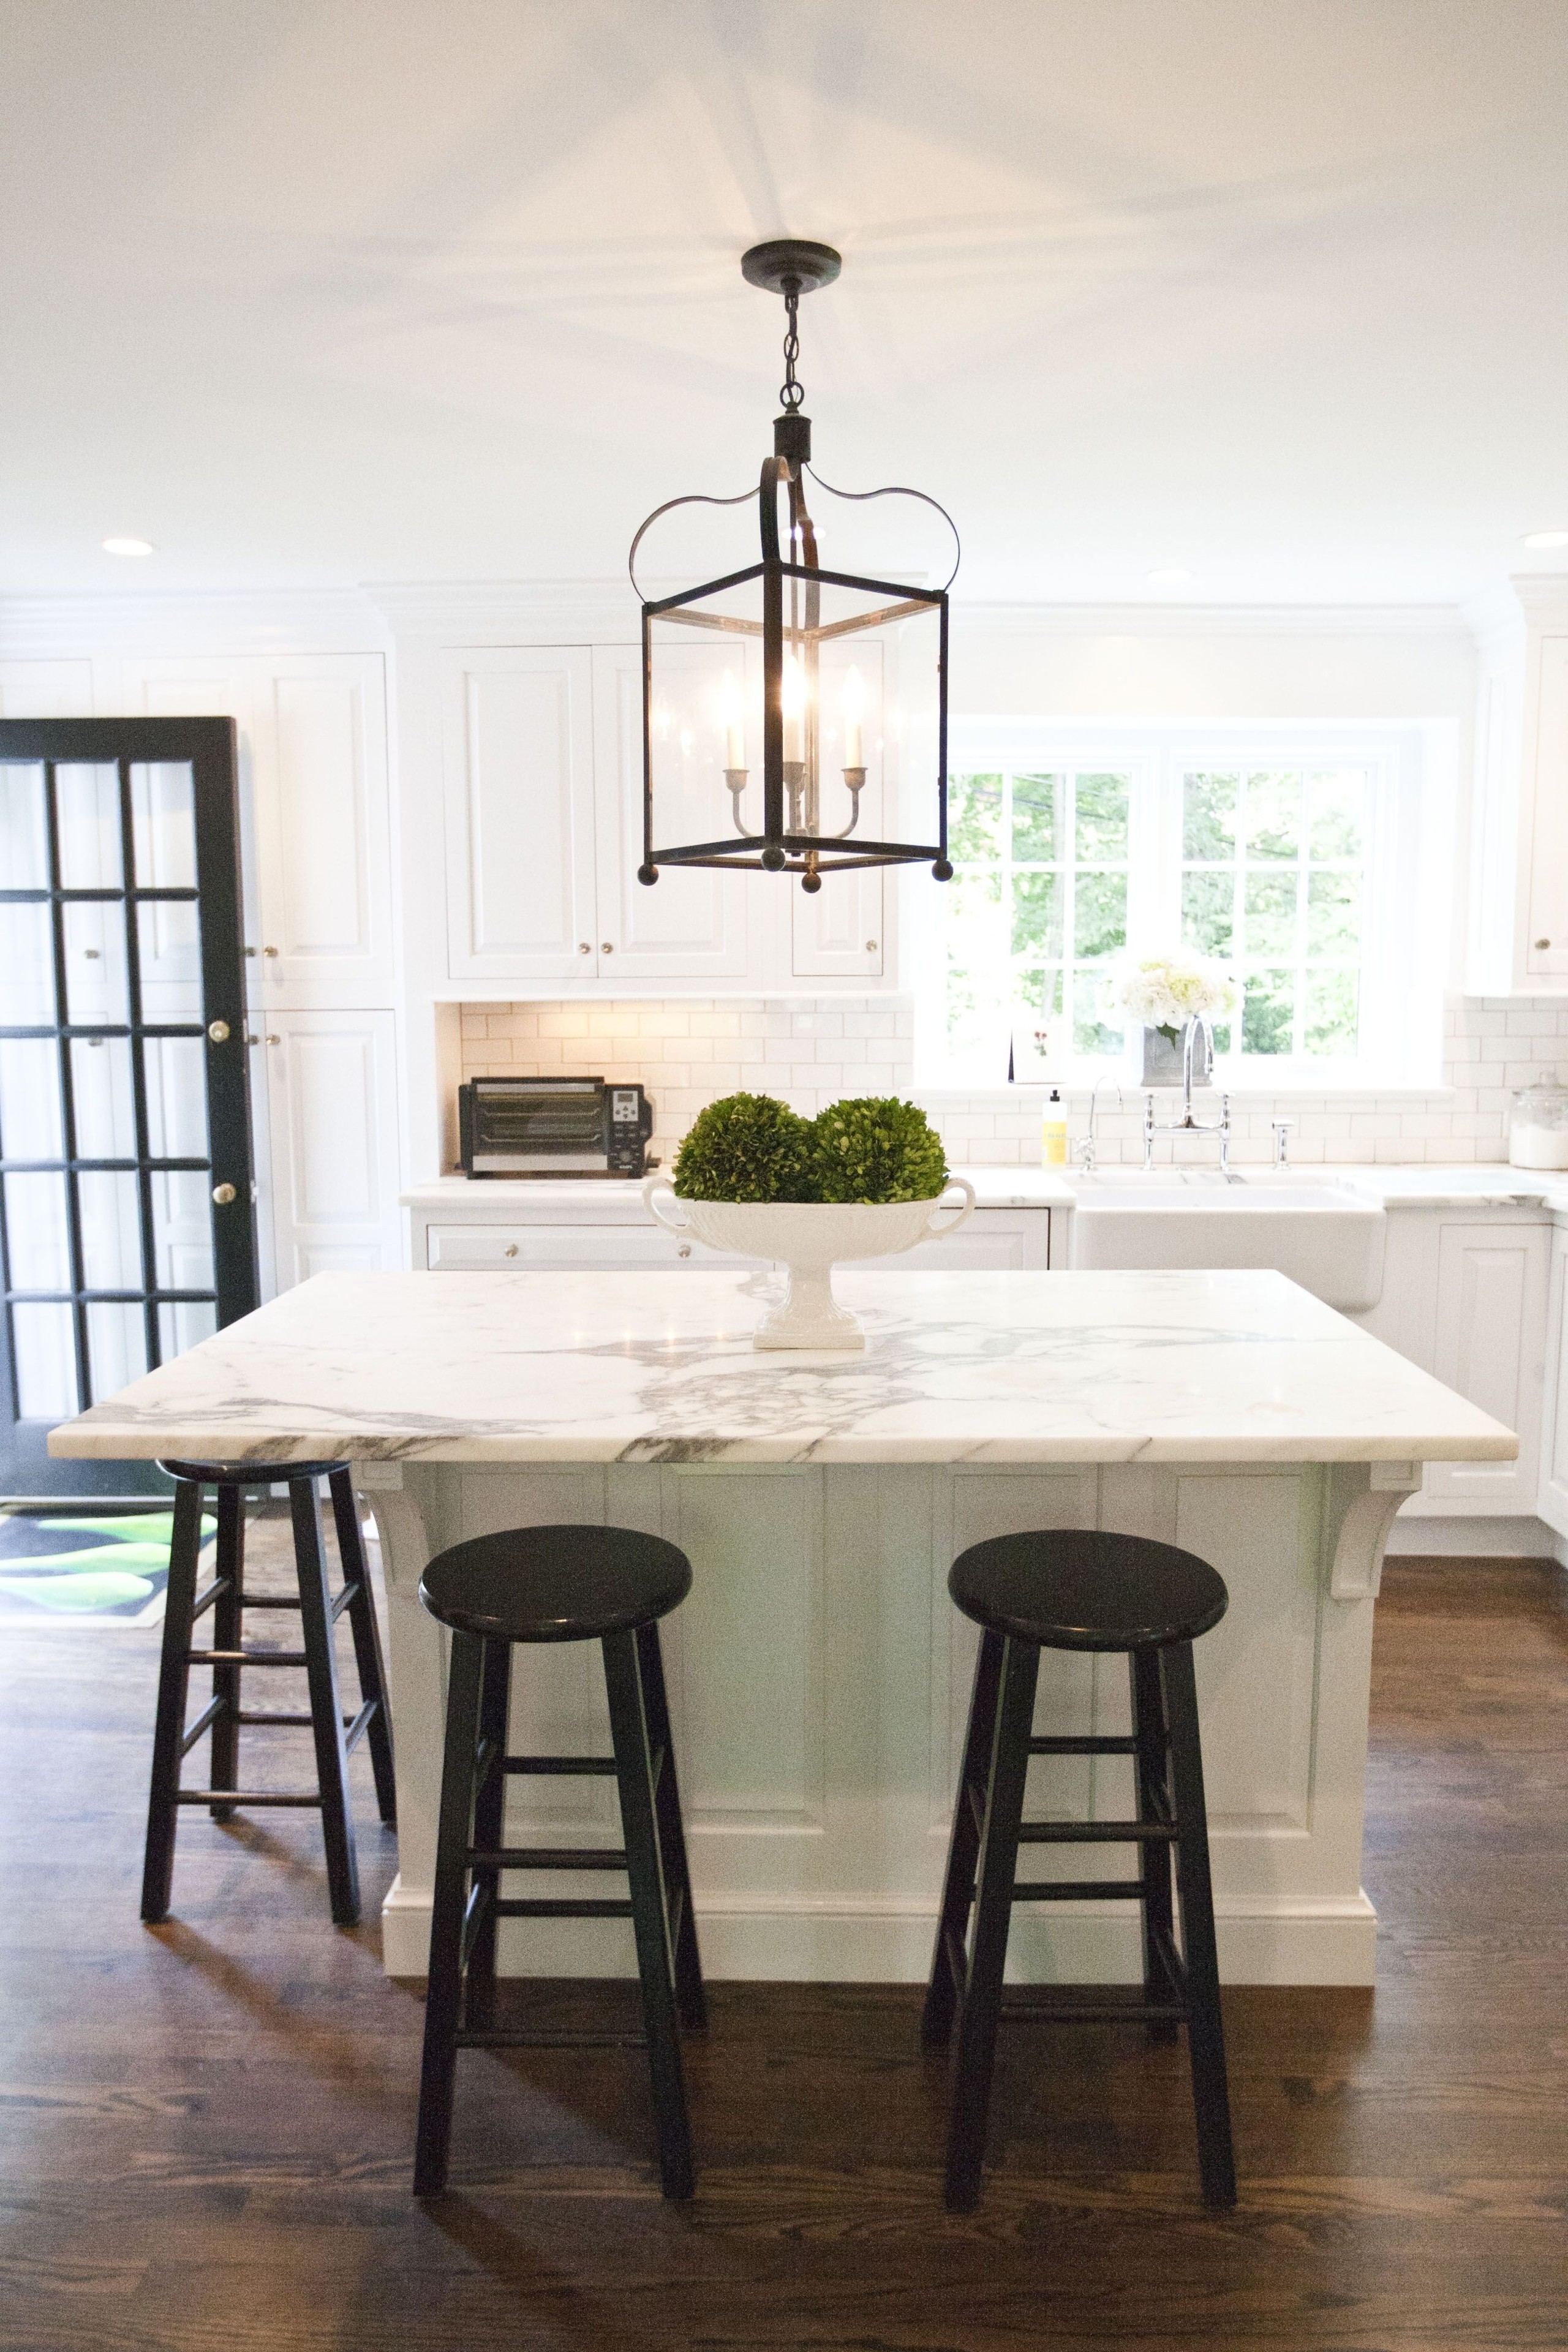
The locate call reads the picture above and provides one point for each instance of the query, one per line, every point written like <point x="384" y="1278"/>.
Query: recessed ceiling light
<point x="1544" y="539"/>
<point x="128" y="547"/>
<point x="1170" y="576"/>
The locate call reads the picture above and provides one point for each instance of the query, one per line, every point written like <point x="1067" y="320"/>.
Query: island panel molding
<point x="819" y="1673"/>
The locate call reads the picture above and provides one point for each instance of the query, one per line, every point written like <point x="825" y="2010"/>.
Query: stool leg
<point x="444" y="1993"/>
<point x="981" y="2009"/>
<point x="228" y="1622"/>
<point x="326" y="1702"/>
<point x="671" y="1834"/>
<point x="490" y="1808"/>
<point x="367" y="1640"/>
<point x="1205" y="2031"/>
<point x="650" y="1922"/>
<point x="949" y="1965"/>
<point x="174" y="1679"/>
<point x="1153" y="1767"/>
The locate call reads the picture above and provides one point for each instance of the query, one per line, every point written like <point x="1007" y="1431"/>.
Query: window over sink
<point x="1313" y="864"/>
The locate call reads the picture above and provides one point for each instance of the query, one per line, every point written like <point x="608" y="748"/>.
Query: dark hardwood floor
<point x="207" y="2126"/>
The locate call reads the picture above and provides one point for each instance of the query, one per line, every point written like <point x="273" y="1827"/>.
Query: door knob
<point x="218" y="1031"/>
<point x="224" y="1194"/>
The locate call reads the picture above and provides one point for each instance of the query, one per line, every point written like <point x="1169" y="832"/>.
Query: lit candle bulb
<point x="731" y="717"/>
<point x="792" y="698"/>
<point x="854" y="711"/>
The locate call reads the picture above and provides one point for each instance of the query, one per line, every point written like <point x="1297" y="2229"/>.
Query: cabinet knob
<point x="684" y="1250"/>
<point x="870" y="947"/>
<point x="218" y="1031"/>
<point x="224" y="1194"/>
<point x="606" y="946"/>
<point x="273" y="1038"/>
<point x="1544" y="943"/>
<point x="267" y="952"/>
<point x="511" y="1250"/>
<point x="583" y="949"/>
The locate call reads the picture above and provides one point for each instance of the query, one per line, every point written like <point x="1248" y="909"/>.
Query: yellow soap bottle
<point x="1053" y="1133"/>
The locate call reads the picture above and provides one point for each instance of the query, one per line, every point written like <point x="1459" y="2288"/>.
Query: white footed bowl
<point x="807" y="1237"/>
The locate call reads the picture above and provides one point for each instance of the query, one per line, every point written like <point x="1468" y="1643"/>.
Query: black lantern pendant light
<point x="838" y="682"/>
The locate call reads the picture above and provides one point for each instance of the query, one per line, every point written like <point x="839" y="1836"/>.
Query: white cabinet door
<point x="1492" y="1329"/>
<point x="323" y="830"/>
<point x="1546" y="763"/>
<point x="332" y="1083"/>
<point x="994" y="1241"/>
<point x="690" y="924"/>
<point x="837" y="932"/>
<point x="1552" y="1503"/>
<point x="517" y="760"/>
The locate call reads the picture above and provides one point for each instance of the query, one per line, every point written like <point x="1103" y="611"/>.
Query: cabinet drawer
<point x="568" y="1249"/>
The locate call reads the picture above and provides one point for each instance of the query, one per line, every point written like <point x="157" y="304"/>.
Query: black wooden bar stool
<point x="557" y="1584"/>
<point x="224" y="1715"/>
<point x="1073" y="1589"/>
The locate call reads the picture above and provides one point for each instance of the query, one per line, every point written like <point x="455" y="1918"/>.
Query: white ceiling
<point x="312" y="292"/>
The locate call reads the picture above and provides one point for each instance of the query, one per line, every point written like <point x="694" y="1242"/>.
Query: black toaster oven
<point x="552" y="1126"/>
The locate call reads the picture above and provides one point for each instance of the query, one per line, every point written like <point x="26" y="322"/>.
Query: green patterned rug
<point x="74" y="1570"/>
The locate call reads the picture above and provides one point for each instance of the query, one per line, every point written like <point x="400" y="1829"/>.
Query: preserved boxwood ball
<point x="876" y="1148"/>
<point x="745" y="1147"/>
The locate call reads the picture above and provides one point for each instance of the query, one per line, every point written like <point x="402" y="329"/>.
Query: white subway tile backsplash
<point x="686" y="1052"/>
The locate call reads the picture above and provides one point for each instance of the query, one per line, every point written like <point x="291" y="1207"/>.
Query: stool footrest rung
<point x="547" y="1857"/>
<point x="1095" y="2012"/>
<point x="269" y="1600"/>
<point x="204" y="1600"/>
<point x="522" y="2038"/>
<point x="1175" y="1966"/>
<point x="558" y="1764"/>
<point x="1080" y="1890"/>
<point x="1095" y="1833"/>
<point x="355" y="1726"/>
<point x="548" y="1908"/>
<point x="215" y="1707"/>
<point x="241" y="1797"/>
<point x="1095" y="1744"/>
<point x="245" y="1657"/>
<point x="350" y="1593"/>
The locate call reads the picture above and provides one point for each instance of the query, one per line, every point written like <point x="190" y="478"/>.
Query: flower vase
<point x="1163" y="1053"/>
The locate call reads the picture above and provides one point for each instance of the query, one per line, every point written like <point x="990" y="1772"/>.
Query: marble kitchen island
<point x="818" y="1673"/>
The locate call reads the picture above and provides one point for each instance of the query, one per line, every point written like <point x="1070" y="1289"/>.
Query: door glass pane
<point x="36" y="1233"/>
<point x="30" y="1098"/>
<point x="24" y="830"/>
<point x="164" y="826"/>
<point x="171" y="961"/>
<point x="184" y="1326"/>
<point x="101" y="1086"/>
<point x="86" y="808"/>
<point x="110" y="1232"/>
<point x="116" y="1346"/>
<point x="182" y="1231"/>
<point x="44" y="1342"/>
<point x="96" y="986"/>
<point x="26" y="964"/>
<point x="176" y="1076"/>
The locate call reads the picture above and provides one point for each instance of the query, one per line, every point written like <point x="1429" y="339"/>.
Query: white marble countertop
<point x="650" y="1367"/>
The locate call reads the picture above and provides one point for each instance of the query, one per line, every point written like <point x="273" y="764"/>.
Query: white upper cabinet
<point x="323" y="831"/>
<point x="837" y="934"/>
<point x="1519" y="865"/>
<point x="691" y="924"/>
<point x="45" y="689"/>
<point x="518" y="765"/>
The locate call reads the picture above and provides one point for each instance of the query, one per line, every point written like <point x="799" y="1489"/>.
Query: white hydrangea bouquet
<point x="1167" y="991"/>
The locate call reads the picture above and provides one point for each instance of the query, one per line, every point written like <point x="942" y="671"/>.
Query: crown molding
<point x="992" y="618"/>
<point x="208" y="621"/>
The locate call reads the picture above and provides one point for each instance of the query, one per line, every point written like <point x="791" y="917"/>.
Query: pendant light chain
<point x="791" y="392"/>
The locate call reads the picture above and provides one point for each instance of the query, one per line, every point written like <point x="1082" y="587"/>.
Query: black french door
<point x="127" y="1225"/>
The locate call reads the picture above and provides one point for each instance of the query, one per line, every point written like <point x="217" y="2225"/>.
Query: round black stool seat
<point x="563" y="1583"/>
<point x="249" y="1473"/>
<point x="1073" y="1589"/>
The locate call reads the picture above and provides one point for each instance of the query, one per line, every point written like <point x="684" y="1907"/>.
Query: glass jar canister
<point x="1538" y="1124"/>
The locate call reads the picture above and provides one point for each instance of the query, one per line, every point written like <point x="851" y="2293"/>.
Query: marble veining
<point x="659" y="1367"/>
